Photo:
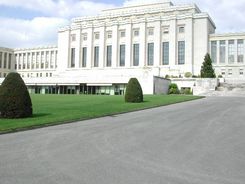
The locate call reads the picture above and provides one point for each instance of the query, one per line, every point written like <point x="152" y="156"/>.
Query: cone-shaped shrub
<point x="15" y="101"/>
<point x="207" y="70"/>
<point x="134" y="92"/>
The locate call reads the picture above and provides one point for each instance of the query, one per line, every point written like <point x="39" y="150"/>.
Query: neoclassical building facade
<point x="99" y="54"/>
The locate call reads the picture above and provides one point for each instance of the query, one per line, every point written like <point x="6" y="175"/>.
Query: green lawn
<point x="57" y="109"/>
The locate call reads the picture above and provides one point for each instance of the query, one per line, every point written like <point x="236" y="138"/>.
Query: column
<point x="78" y="48"/>
<point x="115" y="46"/>
<point x="90" y="47"/>
<point x="157" y="43"/>
<point x="102" y="47"/>
<point x="173" y="43"/>
<point x="128" y="53"/>
<point x="142" y="57"/>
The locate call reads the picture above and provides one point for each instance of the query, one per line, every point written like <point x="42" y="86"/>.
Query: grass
<point x="58" y="109"/>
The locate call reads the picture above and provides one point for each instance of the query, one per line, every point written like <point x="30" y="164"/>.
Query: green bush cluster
<point x="15" y="101"/>
<point x="173" y="89"/>
<point x="188" y="74"/>
<point x="133" y="92"/>
<point x="186" y="91"/>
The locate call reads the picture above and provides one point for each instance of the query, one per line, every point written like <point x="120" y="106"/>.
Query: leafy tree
<point x="15" y="101"/>
<point x="134" y="92"/>
<point x="207" y="70"/>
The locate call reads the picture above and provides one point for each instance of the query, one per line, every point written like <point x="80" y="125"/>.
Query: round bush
<point x="173" y="89"/>
<point x="134" y="92"/>
<point x="15" y="101"/>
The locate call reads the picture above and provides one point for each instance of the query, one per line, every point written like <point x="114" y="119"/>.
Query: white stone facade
<point x="99" y="54"/>
<point x="7" y="61"/>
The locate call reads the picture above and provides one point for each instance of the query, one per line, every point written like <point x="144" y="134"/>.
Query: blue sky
<point x="30" y="23"/>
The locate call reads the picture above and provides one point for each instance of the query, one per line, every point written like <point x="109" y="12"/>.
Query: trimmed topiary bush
<point x="134" y="92"/>
<point x="173" y="89"/>
<point x="188" y="74"/>
<point x="15" y="101"/>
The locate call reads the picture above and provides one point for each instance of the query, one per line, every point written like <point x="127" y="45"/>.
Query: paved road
<point x="198" y="142"/>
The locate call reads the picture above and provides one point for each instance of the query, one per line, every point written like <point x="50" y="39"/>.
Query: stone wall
<point x="161" y="85"/>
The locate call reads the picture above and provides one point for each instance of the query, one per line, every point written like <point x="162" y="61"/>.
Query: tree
<point x="15" y="101"/>
<point x="134" y="92"/>
<point x="207" y="70"/>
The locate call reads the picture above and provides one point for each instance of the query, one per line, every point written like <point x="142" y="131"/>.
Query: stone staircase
<point x="228" y="88"/>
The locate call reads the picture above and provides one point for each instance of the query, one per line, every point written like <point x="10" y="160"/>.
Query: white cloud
<point x="59" y="8"/>
<point x="29" y="33"/>
<point x="228" y="16"/>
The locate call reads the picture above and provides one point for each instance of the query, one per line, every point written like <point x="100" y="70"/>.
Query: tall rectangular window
<point x="122" y="55"/>
<point x="231" y="51"/>
<point x="1" y="55"/>
<point x="84" y="58"/>
<point x="240" y="51"/>
<point x="214" y="51"/>
<point x="181" y="52"/>
<point x="24" y="61"/>
<point x="73" y="57"/>
<point x="222" y="51"/>
<point x="5" y="61"/>
<point x="165" y="53"/>
<point x="10" y="61"/>
<point x="96" y="56"/>
<point x="150" y="54"/>
<point x="108" y="55"/>
<point x="136" y="53"/>
<point x="37" y="60"/>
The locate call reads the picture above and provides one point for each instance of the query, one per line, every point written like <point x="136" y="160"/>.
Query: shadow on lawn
<point x="37" y="115"/>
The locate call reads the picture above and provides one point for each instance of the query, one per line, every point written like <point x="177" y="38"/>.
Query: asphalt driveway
<point x="197" y="142"/>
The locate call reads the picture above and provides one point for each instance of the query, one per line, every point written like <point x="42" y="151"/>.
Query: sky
<point x="32" y="23"/>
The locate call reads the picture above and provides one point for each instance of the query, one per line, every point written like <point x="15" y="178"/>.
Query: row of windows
<point x="232" y="52"/>
<point x="36" y="60"/>
<point x="230" y="72"/>
<point x="28" y="75"/>
<point x="122" y="33"/>
<point x="5" y="60"/>
<point x="135" y="55"/>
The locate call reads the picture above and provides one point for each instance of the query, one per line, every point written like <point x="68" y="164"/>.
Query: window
<point x="10" y="61"/>
<point x="96" y="56"/>
<point x="85" y="37"/>
<point x="42" y="60"/>
<point x="122" y="55"/>
<point x="150" y="31"/>
<point x="72" y="65"/>
<point x="229" y="71"/>
<point x="46" y="59"/>
<point x="84" y="57"/>
<point x="24" y="61"/>
<point x="241" y="71"/>
<point x="223" y="72"/>
<point x="1" y="55"/>
<point x="96" y="36"/>
<point x="136" y="55"/>
<point x="214" y="51"/>
<point x="181" y="52"/>
<point x="165" y="53"/>
<point x="165" y="30"/>
<point x="5" y="60"/>
<point x="150" y="54"/>
<point x="46" y="74"/>
<point x="73" y="37"/>
<point x="40" y="75"/>
<point x="108" y="55"/>
<point x="136" y="33"/>
<point x="222" y="51"/>
<point x="122" y="34"/>
<point x="50" y="74"/>
<point x="37" y="60"/>
<point x="181" y="29"/>
<point x="231" y="51"/>
<point x="240" y="51"/>
<point x="109" y="34"/>
<point x="33" y="60"/>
